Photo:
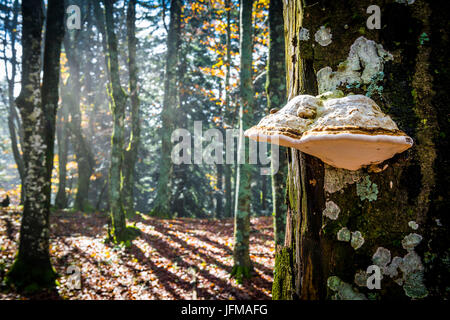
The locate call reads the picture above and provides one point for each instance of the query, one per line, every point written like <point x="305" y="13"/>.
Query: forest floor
<point x="171" y="259"/>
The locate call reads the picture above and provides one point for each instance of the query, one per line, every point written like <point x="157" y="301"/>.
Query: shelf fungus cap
<point x="285" y="127"/>
<point x="347" y="132"/>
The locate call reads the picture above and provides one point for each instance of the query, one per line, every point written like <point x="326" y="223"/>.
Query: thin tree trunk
<point x="117" y="105"/>
<point x="62" y="134"/>
<point x="219" y="192"/>
<point x="163" y="198"/>
<point x="132" y="151"/>
<point x="38" y="109"/>
<point x="242" y="264"/>
<point x="276" y="98"/>
<point x="406" y="219"/>
<point x="228" y="113"/>
<point x="13" y="117"/>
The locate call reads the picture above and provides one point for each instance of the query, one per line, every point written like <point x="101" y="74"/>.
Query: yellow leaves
<point x="218" y="64"/>
<point x="95" y="176"/>
<point x="64" y="68"/>
<point x="213" y="72"/>
<point x="212" y="180"/>
<point x="71" y="165"/>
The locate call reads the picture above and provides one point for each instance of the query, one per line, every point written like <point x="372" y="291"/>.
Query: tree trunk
<point x="399" y="210"/>
<point x="219" y="191"/>
<point x="228" y="114"/>
<point x="117" y="105"/>
<point x="62" y="134"/>
<point x="276" y="98"/>
<point x="132" y="151"/>
<point x="163" y="198"/>
<point x="242" y="264"/>
<point x="84" y="157"/>
<point x="32" y="268"/>
<point x="13" y="117"/>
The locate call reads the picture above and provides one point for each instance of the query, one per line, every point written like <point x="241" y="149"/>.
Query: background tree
<point x="132" y="150"/>
<point x="163" y="197"/>
<point x="117" y="104"/>
<point x="11" y="65"/>
<point x="399" y="210"/>
<point x="276" y="98"/>
<point x="38" y="106"/>
<point x="62" y="136"/>
<point x="228" y="210"/>
<point x="242" y="263"/>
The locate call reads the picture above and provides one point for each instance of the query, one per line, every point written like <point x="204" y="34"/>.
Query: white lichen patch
<point x="413" y="225"/>
<point x="411" y="262"/>
<point x="410" y="241"/>
<point x="35" y="114"/>
<point x="344" y="234"/>
<point x="303" y="34"/>
<point x="413" y="278"/>
<point x="365" y="60"/>
<point x="323" y="36"/>
<point x="357" y="240"/>
<point x="381" y="257"/>
<point x="344" y="291"/>
<point x="392" y="269"/>
<point x="337" y="179"/>
<point x="407" y="2"/>
<point x="366" y="189"/>
<point x="331" y="210"/>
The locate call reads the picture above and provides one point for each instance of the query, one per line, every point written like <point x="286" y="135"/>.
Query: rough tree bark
<point x="163" y="198"/>
<point x="276" y="98"/>
<point x="32" y="268"/>
<point x="132" y="150"/>
<point x="118" y="232"/>
<point x="399" y="211"/>
<point x="242" y="264"/>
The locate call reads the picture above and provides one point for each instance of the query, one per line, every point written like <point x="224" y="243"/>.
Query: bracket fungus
<point x="344" y="132"/>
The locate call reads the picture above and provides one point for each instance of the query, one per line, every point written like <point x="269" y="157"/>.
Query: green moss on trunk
<point x="117" y="106"/>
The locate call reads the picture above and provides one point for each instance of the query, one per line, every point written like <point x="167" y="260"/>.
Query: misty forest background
<point x="134" y="72"/>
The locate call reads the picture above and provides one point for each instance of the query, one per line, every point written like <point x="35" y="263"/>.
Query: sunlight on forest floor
<point x="164" y="262"/>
